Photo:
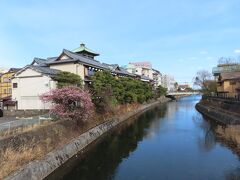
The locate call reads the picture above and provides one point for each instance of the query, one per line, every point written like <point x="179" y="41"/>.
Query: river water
<point x="172" y="141"/>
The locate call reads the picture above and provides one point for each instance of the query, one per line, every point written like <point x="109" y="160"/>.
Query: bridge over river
<point x="176" y="95"/>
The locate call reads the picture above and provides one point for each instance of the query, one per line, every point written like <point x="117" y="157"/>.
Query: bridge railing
<point x="182" y="93"/>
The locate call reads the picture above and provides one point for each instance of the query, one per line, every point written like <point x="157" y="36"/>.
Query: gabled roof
<point x="14" y="70"/>
<point x="112" y="66"/>
<point x="230" y="76"/>
<point x="119" y="70"/>
<point x="39" y="62"/>
<point x="83" y="49"/>
<point x="125" y="72"/>
<point x="43" y="62"/>
<point x="43" y="70"/>
<point x="49" y="59"/>
<point x="74" y="57"/>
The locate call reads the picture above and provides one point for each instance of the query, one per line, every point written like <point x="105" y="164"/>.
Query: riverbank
<point x="155" y="145"/>
<point x="39" y="169"/>
<point x="221" y="110"/>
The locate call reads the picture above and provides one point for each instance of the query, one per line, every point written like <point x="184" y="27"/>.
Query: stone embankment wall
<point x="40" y="169"/>
<point x="225" y="111"/>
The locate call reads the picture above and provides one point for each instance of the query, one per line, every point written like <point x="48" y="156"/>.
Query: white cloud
<point x="237" y="51"/>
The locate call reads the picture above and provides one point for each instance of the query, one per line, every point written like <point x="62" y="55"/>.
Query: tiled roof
<point x="83" y="48"/>
<point x="43" y="62"/>
<point x="45" y="70"/>
<point x="124" y="71"/>
<point x="49" y="59"/>
<point x="111" y="66"/>
<point x="14" y="70"/>
<point x="119" y="70"/>
<point x="41" y="69"/>
<point x="39" y="62"/>
<point x="230" y="76"/>
<point x="80" y="58"/>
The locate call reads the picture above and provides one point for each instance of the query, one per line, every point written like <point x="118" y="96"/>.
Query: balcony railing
<point x="226" y="69"/>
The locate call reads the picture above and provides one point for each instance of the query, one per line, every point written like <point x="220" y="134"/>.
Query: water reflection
<point x="172" y="141"/>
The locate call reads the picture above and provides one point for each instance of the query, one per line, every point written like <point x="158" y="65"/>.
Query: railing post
<point x="9" y="127"/>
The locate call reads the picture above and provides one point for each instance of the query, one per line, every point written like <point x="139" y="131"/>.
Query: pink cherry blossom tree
<point x="69" y="103"/>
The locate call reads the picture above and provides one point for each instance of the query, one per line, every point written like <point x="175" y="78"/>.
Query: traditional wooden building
<point x="40" y="75"/>
<point x="228" y="79"/>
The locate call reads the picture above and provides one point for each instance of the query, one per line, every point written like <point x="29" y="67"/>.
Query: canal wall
<point x="40" y="169"/>
<point x="221" y="110"/>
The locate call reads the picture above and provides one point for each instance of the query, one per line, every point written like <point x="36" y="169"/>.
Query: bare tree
<point x="202" y="78"/>
<point x="227" y="60"/>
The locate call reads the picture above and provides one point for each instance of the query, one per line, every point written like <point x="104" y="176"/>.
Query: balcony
<point x="226" y="69"/>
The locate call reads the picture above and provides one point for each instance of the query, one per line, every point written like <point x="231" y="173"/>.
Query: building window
<point x="15" y="85"/>
<point x="10" y="90"/>
<point x="5" y="91"/>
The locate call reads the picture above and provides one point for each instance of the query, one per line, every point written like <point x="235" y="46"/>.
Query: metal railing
<point x="225" y="96"/>
<point x="22" y="124"/>
<point x="226" y="68"/>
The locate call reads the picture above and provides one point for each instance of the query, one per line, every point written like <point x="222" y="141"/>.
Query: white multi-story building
<point x="145" y="71"/>
<point x="157" y="78"/>
<point x="168" y="82"/>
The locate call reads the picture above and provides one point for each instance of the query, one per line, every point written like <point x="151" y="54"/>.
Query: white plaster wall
<point x="150" y="73"/>
<point x="138" y="71"/>
<point x="30" y="88"/>
<point x="70" y="67"/>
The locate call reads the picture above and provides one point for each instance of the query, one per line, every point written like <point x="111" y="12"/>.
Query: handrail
<point x="223" y="96"/>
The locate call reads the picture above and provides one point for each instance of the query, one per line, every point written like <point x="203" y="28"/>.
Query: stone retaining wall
<point x="220" y="110"/>
<point x="218" y="115"/>
<point x="40" y="169"/>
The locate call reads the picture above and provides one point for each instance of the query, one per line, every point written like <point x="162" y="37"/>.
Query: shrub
<point x="65" y="79"/>
<point x="69" y="103"/>
<point x="106" y="88"/>
<point x="161" y="91"/>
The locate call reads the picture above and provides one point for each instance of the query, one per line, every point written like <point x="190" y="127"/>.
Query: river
<point x="172" y="141"/>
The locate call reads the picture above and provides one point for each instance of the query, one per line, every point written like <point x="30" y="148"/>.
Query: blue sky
<point x="179" y="37"/>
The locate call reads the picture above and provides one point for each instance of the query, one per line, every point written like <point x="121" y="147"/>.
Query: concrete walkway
<point x="13" y="122"/>
<point x="7" y="119"/>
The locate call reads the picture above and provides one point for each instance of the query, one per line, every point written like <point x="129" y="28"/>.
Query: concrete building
<point x="140" y="68"/>
<point x="145" y="71"/>
<point x="168" y="82"/>
<point x="157" y="78"/>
